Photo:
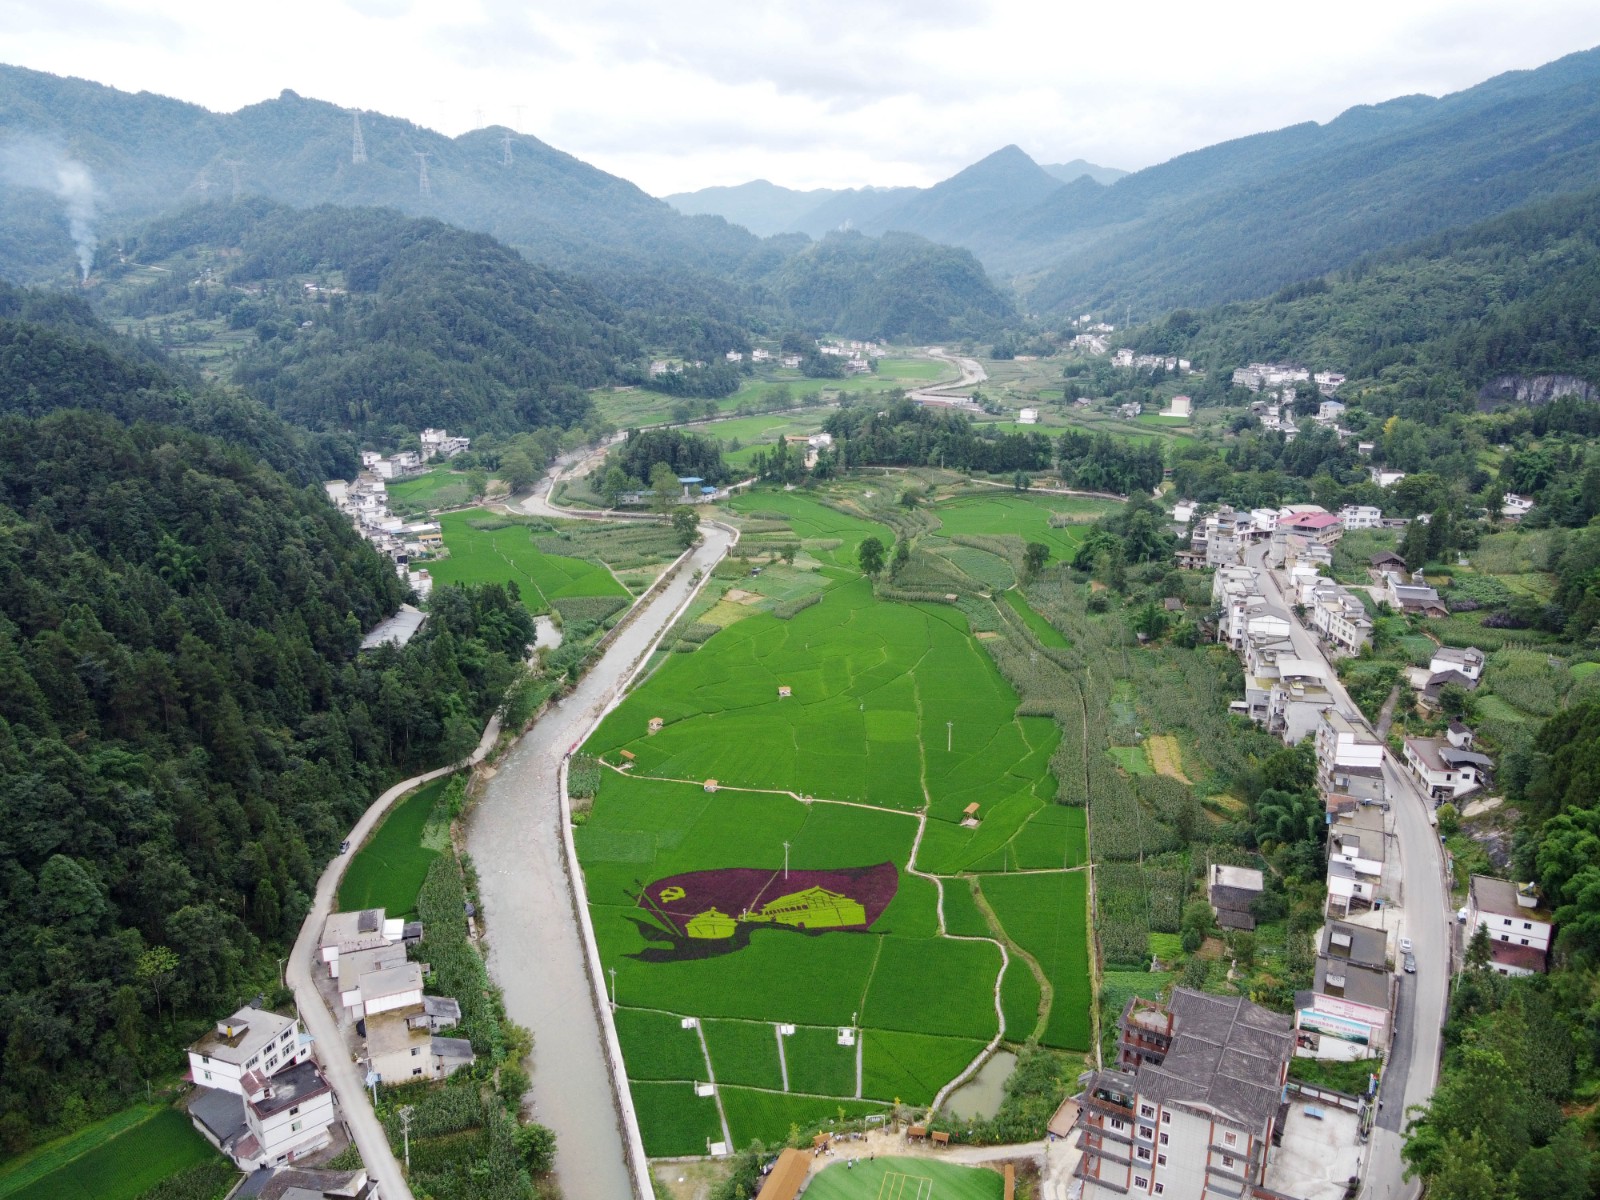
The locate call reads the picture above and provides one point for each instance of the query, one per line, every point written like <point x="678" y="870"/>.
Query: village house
<point x="1445" y="771"/>
<point x="1028" y="416"/>
<point x="1349" y="758"/>
<point x="1360" y="516"/>
<point x="1194" y="1104"/>
<point x="1324" y="528"/>
<point x="1414" y="597"/>
<point x="760" y="355"/>
<point x="1385" y="477"/>
<point x="1231" y="891"/>
<point x="1514" y="507"/>
<point x="401" y="1052"/>
<point x="1519" y="929"/>
<point x="1339" y="617"/>
<point x="436" y="443"/>
<point x="1268" y="375"/>
<point x="348" y="932"/>
<point x="294" y="1183"/>
<point x="1351" y="1003"/>
<point x="385" y="989"/>
<point x="274" y="1119"/>
<point x="1329" y="412"/>
<point x="1183" y="511"/>
<point x="1179" y="406"/>
<point x="1357" y="850"/>
<point x="1468" y="662"/>
<point x="252" y="1040"/>
<point x="438" y="1014"/>
<point x="1328" y="382"/>
<point x="791" y="361"/>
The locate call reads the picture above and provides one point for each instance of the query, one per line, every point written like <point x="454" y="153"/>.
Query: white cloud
<point x="825" y="93"/>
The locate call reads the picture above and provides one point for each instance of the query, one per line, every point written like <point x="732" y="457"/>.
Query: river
<point x="536" y="953"/>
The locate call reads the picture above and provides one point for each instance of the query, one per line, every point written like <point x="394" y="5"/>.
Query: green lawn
<point x="1046" y="915"/>
<point x="388" y="871"/>
<point x="119" y="1158"/>
<point x="439" y="488"/>
<point x="905" y="1179"/>
<point x="487" y="548"/>
<point x="1023" y="515"/>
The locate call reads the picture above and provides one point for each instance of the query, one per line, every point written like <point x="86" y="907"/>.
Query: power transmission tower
<point x="423" y="186"/>
<point x="233" y="165"/>
<point x="505" y="149"/>
<point x="358" y="144"/>
<point x="202" y="184"/>
<point x="517" y="108"/>
<point x="477" y="117"/>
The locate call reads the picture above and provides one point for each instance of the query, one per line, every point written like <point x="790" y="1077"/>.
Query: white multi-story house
<point x="1329" y="412"/>
<point x="1349" y="758"/>
<point x="1519" y="929"/>
<point x="1028" y="416"/>
<point x="1468" y="662"/>
<point x="1356" y="854"/>
<point x="1444" y="770"/>
<point x="349" y="932"/>
<point x="387" y="989"/>
<point x="401" y="1051"/>
<point x="1191" y="1109"/>
<point x="1361" y="516"/>
<point x="276" y="1119"/>
<point x="251" y="1040"/>
<point x="1385" y="477"/>
<point x="1515" y="507"/>
<point x="1339" y="617"/>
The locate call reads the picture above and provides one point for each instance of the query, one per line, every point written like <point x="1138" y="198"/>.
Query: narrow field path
<point x="711" y="1080"/>
<point x="783" y="1059"/>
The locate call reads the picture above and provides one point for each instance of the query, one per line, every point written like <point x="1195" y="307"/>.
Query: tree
<point x="536" y="1146"/>
<point x="902" y="555"/>
<point x="616" y="482"/>
<point x="1479" y="948"/>
<point x="1034" y="557"/>
<point x="685" y="525"/>
<point x="1449" y="820"/>
<point x="1020" y="481"/>
<point x="477" y="482"/>
<point x="517" y="469"/>
<point x="156" y="967"/>
<point x="664" y="482"/>
<point x="870" y="556"/>
<point x="1414" y="546"/>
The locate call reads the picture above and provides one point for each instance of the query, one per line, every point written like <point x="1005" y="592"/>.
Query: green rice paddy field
<point x="117" y="1159"/>
<point x="508" y="555"/>
<point x="1024" y="515"/>
<point x="389" y="870"/>
<point x="897" y="718"/>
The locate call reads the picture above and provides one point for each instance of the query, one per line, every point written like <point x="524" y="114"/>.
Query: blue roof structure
<point x="690" y="479"/>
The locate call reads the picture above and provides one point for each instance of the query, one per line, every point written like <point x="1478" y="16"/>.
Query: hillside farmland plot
<point x="1023" y="515"/>
<point x="484" y="551"/>
<point x="1046" y="914"/>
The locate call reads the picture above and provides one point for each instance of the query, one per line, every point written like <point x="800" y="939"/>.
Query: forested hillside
<point x="54" y="353"/>
<point x="405" y="322"/>
<point x="186" y="727"/>
<point x="1440" y="319"/>
<point x="894" y="288"/>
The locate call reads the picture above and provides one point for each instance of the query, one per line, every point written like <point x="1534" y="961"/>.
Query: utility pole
<point x="786" y="861"/>
<point x="358" y="144"/>
<point x="423" y="186"/>
<point x="405" y="1132"/>
<point x="233" y="165"/>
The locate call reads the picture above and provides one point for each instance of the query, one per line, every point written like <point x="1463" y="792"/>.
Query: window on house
<point x="1165" y="1139"/>
<point x="416" y="1050"/>
<point x="207" y="1074"/>
<point x="1139" y="1181"/>
<point x="1161" y="1160"/>
<point x="1227" y="1160"/>
<point x="1160" y="1188"/>
<point x="1116" y="1123"/>
<point x="1144" y="1153"/>
<point x="205" y="1058"/>
<point x="1230" y="1139"/>
<point x="295" y="1111"/>
<point x="1524" y="941"/>
<point x="1166" y="1118"/>
<point x="1146" y="1110"/>
<point x="294" y="1127"/>
<point x="1505" y="937"/>
<point x="1527" y="924"/>
<point x="416" y="1070"/>
<point x="1146" y="1132"/>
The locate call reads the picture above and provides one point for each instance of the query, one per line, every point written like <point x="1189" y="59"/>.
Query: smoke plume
<point x="34" y="163"/>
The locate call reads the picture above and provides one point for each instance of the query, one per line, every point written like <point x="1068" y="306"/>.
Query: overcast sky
<point x="681" y="94"/>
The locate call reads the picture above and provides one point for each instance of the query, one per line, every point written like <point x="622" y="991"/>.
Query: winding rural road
<point x="1413" y="1067"/>
<point x="341" y="1071"/>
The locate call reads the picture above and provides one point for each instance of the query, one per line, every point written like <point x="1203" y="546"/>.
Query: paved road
<point x="1413" y="1067"/>
<point x="972" y="373"/>
<point x="341" y="1071"/>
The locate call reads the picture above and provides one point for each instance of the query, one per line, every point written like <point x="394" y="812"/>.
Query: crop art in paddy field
<point x="700" y="914"/>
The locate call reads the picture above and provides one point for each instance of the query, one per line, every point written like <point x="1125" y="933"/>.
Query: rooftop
<point x="1227" y="1055"/>
<point x="240" y="1037"/>
<point x="350" y="931"/>
<point x="1357" y="943"/>
<point x="1247" y="878"/>
<point x="398" y="629"/>
<point x="290" y="1087"/>
<point x="457" y="1048"/>
<point x="391" y="1032"/>
<point x="1499" y="896"/>
<point x="391" y="981"/>
<point x="1529" y="958"/>
<point x="1351" y="981"/>
<point x="222" y="1113"/>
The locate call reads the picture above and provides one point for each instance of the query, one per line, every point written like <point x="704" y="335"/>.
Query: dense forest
<point x="907" y="434"/>
<point x="186" y="725"/>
